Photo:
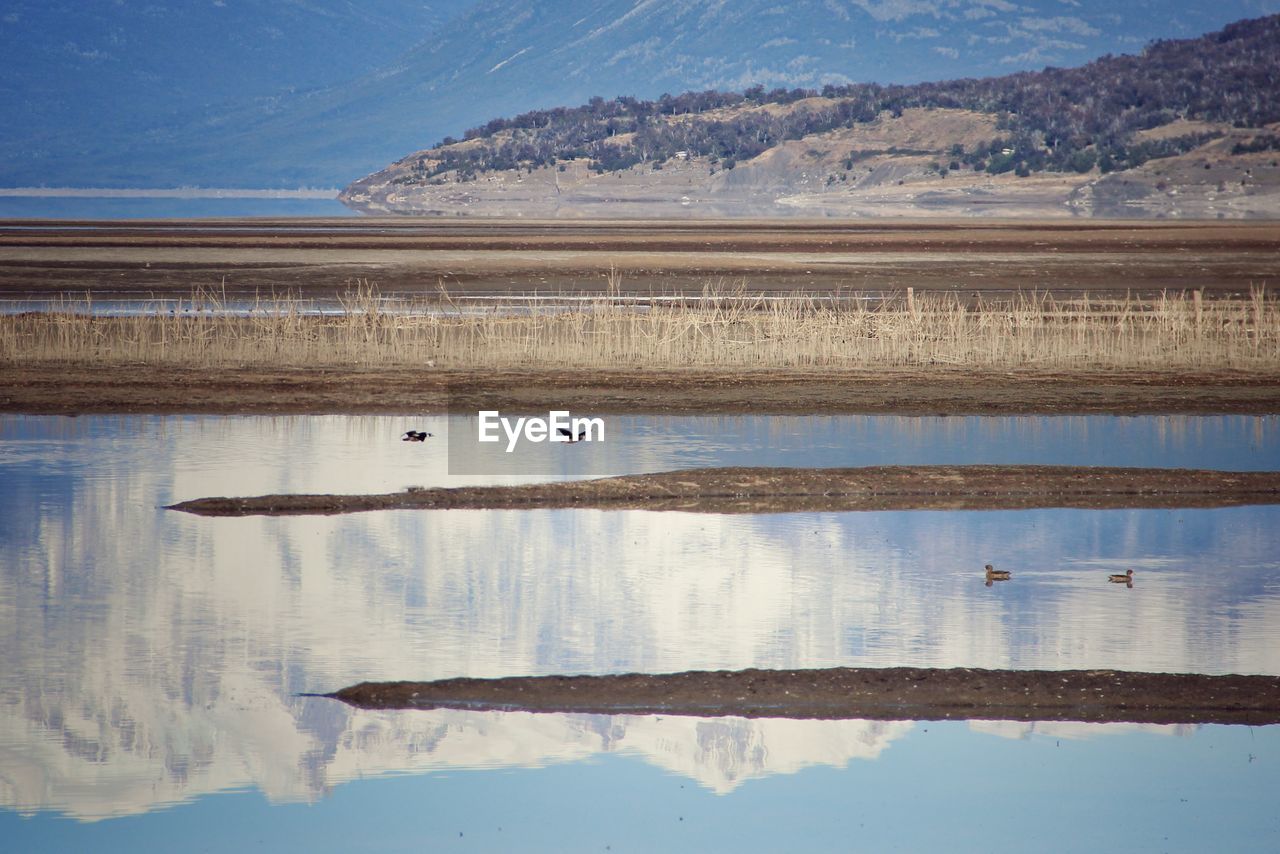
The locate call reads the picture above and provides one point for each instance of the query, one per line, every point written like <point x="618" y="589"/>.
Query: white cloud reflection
<point x="152" y="656"/>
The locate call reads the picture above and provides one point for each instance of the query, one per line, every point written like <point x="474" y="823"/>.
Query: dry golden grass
<point x="726" y="328"/>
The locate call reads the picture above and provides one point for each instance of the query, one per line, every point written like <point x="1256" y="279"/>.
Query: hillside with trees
<point x="1111" y="115"/>
<point x="1055" y="119"/>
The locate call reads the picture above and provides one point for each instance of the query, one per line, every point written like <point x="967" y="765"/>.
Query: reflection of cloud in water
<point x="1075" y="731"/>
<point x="114" y="750"/>
<point x="718" y="753"/>
<point x="151" y="656"/>
<point x="301" y="750"/>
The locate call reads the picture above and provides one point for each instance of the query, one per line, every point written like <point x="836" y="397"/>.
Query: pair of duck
<point x="994" y="575"/>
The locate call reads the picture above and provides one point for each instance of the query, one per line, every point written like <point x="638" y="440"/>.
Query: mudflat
<point x="410" y="256"/>
<point x="894" y="693"/>
<point x="472" y="258"/>
<point x="789" y="490"/>
<point x="71" y="389"/>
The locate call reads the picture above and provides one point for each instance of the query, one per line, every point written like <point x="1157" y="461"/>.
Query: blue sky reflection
<point x="153" y="658"/>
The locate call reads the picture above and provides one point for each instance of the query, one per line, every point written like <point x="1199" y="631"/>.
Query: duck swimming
<point x="994" y="575"/>
<point x="1127" y="578"/>
<point x="416" y="436"/>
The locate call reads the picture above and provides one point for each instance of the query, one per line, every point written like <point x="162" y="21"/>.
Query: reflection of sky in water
<point x="940" y="786"/>
<point x="152" y="656"/>
<point x="194" y="456"/>
<point x="647" y="443"/>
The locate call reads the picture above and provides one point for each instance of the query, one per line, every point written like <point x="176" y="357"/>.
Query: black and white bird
<point x="416" y="436"/>
<point x="565" y="432"/>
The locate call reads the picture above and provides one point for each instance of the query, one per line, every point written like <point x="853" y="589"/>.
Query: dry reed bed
<point x="1178" y="330"/>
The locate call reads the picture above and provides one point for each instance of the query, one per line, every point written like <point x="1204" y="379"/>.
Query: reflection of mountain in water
<point x="151" y="656"/>
<point x="299" y="750"/>
<point x="720" y="754"/>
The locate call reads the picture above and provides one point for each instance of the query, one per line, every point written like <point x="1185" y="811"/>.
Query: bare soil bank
<point x="475" y="257"/>
<point x="897" y="693"/>
<point x="84" y="389"/>
<point x="783" y="490"/>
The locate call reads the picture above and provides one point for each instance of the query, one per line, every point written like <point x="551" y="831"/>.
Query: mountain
<point x="1199" y="114"/>
<point x="323" y="91"/>
<point x="111" y="94"/>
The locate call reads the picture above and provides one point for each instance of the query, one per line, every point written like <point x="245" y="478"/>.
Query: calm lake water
<point x="152" y="659"/>
<point x="73" y="208"/>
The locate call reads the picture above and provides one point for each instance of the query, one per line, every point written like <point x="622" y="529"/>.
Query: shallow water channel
<point x="152" y="660"/>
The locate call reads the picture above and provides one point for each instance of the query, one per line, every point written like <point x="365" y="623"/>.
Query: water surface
<point x="80" y="208"/>
<point x="154" y="659"/>
<point x="903" y="787"/>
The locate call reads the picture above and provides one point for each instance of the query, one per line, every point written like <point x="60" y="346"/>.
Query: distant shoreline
<point x="167" y="193"/>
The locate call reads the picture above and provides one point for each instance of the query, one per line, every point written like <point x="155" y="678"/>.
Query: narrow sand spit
<point x="779" y="490"/>
<point x="895" y="693"/>
<point x="74" y="389"/>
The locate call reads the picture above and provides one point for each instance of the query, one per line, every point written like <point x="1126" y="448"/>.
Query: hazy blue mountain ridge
<point x="115" y="93"/>
<point x="415" y="75"/>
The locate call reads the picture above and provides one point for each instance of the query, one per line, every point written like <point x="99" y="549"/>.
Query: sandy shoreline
<point x="786" y="490"/>
<point x="896" y="693"/>
<point x="85" y="389"/>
